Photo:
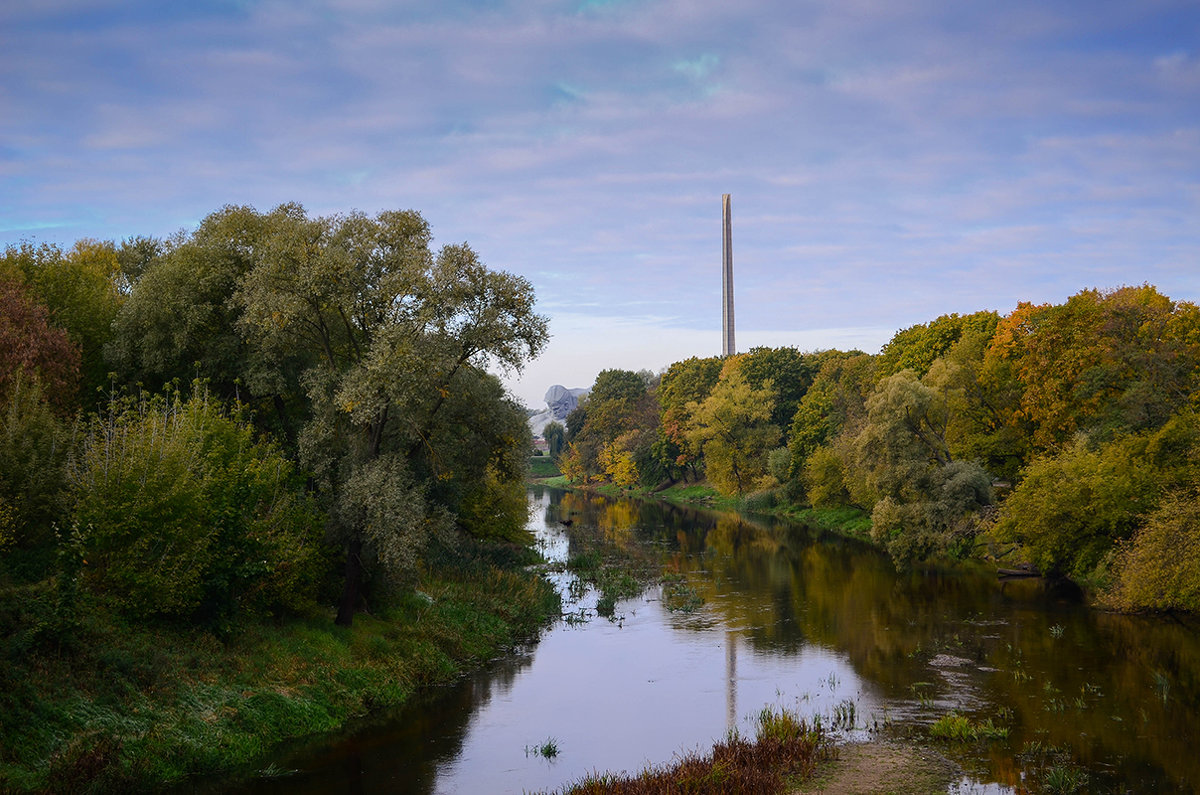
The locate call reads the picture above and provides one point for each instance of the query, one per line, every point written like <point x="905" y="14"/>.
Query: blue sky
<point x="888" y="161"/>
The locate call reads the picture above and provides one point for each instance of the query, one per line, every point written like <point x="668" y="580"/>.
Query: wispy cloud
<point x="889" y="162"/>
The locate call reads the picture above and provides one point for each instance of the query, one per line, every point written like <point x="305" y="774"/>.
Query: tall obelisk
<point x="728" y="348"/>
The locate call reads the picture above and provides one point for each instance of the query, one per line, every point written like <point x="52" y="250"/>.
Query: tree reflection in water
<point x="799" y="618"/>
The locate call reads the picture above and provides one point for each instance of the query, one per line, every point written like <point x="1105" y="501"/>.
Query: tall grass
<point x="786" y="749"/>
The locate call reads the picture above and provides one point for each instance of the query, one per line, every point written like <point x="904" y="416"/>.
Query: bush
<point x="824" y="475"/>
<point x="179" y="512"/>
<point x="1071" y="508"/>
<point x="33" y="452"/>
<point x="1159" y="569"/>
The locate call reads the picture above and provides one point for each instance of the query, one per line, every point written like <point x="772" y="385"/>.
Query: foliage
<point x="34" y="444"/>
<point x="1159" y="567"/>
<point x="924" y="498"/>
<point x="614" y="432"/>
<point x="179" y="321"/>
<point x="1071" y="508"/>
<point x="917" y="347"/>
<point x="684" y="384"/>
<point x="178" y="512"/>
<point x="391" y="336"/>
<point x="1107" y="363"/>
<point x="836" y="401"/>
<point x="29" y="344"/>
<point x="556" y="436"/>
<point x="790" y="372"/>
<point x="732" y="427"/>
<point x="81" y="290"/>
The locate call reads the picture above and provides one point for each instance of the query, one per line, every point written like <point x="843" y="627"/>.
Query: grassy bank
<point x="847" y="521"/>
<point x="108" y="706"/>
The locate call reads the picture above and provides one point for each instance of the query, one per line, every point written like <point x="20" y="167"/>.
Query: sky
<point x="889" y="162"/>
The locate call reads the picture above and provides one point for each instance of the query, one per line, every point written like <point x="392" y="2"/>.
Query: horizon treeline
<point x="1064" y="435"/>
<point x="272" y="412"/>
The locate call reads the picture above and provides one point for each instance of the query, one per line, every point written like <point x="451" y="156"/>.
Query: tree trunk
<point x="352" y="588"/>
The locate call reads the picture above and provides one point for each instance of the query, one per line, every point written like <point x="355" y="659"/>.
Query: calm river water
<point x="793" y="618"/>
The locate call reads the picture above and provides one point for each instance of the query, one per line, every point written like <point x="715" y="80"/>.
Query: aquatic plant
<point x="845" y="715"/>
<point x="957" y="727"/>
<point x="546" y="750"/>
<point x="1162" y="685"/>
<point x="1064" y="780"/>
<point x="679" y="597"/>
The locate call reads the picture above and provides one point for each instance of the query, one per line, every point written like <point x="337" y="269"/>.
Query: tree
<point x="555" y="435"/>
<point x="925" y="499"/>
<point x="981" y="397"/>
<point x="790" y="372"/>
<point x="733" y="429"/>
<point x="1103" y="362"/>
<point x="180" y="512"/>
<point x="81" y="291"/>
<point x="1071" y="507"/>
<point x="180" y="322"/>
<point x="29" y="344"/>
<point x="835" y="401"/>
<point x="917" y="347"/>
<point x="684" y="384"/>
<point x="388" y="331"/>
<point x="1159" y="567"/>
<point x="618" y="406"/>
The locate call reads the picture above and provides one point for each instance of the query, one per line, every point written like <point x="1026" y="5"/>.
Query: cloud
<point x="888" y="162"/>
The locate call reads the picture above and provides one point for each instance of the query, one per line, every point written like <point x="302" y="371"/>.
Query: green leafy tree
<point x="1071" y="507"/>
<point x="925" y="500"/>
<point x="835" y="402"/>
<point x="790" y="372"/>
<point x="617" y="407"/>
<point x="555" y="435"/>
<point x="1159" y="567"/>
<point x="916" y="348"/>
<point x="683" y="385"/>
<point x="979" y="403"/>
<point x="387" y="330"/>
<point x="732" y="426"/>
<point x="34" y="444"/>
<point x="180" y="322"/>
<point x="179" y="512"/>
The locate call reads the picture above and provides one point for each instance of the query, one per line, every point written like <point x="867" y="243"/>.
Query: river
<point x="781" y="615"/>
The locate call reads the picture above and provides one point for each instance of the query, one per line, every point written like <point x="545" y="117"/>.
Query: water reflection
<point x="797" y="618"/>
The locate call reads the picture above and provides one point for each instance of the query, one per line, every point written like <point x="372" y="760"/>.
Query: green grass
<point x="956" y="727"/>
<point x="110" y="706"/>
<point x="542" y="466"/>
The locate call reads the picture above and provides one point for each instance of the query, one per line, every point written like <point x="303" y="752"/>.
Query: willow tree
<point x="391" y="335"/>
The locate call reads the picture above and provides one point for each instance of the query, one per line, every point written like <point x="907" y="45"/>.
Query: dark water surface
<point x="792" y="618"/>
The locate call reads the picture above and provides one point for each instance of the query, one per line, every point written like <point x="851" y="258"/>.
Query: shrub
<point x="179" y="512"/>
<point x="1159" y="568"/>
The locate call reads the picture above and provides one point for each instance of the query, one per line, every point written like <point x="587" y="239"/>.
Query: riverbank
<point x="852" y="522"/>
<point x="116" y="707"/>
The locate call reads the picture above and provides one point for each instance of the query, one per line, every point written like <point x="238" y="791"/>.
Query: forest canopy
<point x="252" y="416"/>
<point x="1061" y="435"/>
